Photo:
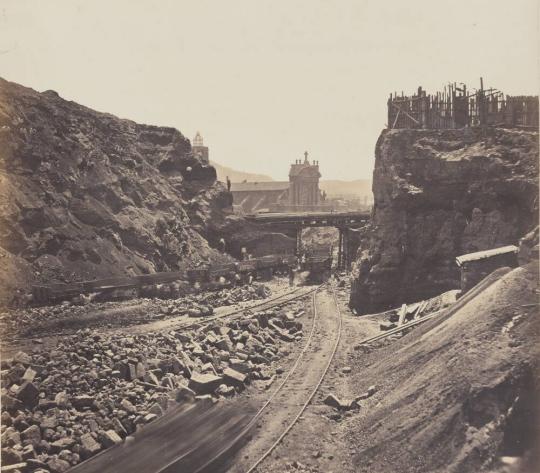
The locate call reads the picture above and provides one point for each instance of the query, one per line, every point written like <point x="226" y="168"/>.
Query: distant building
<point x="300" y="194"/>
<point x="257" y="196"/>
<point x="304" y="183"/>
<point x="198" y="149"/>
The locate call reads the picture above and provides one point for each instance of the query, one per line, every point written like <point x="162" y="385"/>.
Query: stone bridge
<point x="345" y="222"/>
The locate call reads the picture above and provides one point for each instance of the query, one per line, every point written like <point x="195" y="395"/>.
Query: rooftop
<point x="480" y="255"/>
<point x="259" y="186"/>
<point x="305" y="169"/>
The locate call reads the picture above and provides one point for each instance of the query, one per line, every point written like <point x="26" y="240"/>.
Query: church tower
<point x="304" y="183"/>
<point x="199" y="149"/>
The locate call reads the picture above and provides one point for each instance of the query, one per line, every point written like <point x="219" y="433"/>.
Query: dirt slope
<point x="455" y="395"/>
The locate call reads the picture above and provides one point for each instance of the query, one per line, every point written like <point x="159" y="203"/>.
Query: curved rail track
<point x="215" y="449"/>
<point x="232" y="443"/>
<point x="263" y="305"/>
<point x="172" y="325"/>
<point x="315" y="389"/>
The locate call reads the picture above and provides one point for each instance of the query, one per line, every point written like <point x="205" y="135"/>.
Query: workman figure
<point x="291" y="276"/>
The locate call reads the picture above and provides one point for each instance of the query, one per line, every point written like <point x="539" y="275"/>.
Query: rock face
<point x="439" y="194"/>
<point x="85" y="194"/>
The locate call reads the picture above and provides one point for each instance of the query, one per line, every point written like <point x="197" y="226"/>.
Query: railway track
<point x="227" y="426"/>
<point x="290" y="382"/>
<point x="264" y="305"/>
<point x="297" y="293"/>
<point x="315" y="389"/>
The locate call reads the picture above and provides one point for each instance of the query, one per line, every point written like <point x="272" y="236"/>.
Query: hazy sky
<point x="265" y="80"/>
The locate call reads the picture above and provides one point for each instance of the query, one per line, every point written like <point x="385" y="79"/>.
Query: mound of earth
<point x="85" y="194"/>
<point x="458" y="394"/>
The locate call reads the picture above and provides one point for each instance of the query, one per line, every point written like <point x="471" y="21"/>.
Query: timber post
<point x="342" y="248"/>
<point x="298" y="243"/>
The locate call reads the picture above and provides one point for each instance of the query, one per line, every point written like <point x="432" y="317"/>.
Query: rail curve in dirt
<point x="205" y="437"/>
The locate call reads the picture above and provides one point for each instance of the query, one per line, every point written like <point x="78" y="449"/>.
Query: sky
<point x="263" y="81"/>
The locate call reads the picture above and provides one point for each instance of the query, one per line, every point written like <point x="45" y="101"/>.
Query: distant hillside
<point x="360" y="187"/>
<point x="237" y="176"/>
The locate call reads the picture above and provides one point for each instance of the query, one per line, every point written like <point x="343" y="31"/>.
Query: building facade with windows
<point x="300" y="194"/>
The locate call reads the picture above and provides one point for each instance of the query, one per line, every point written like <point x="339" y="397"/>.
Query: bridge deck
<point x="312" y="218"/>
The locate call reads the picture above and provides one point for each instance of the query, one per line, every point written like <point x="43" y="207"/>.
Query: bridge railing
<point x="314" y="219"/>
<point x="326" y="207"/>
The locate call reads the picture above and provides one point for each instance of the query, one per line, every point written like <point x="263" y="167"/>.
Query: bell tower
<point x="199" y="149"/>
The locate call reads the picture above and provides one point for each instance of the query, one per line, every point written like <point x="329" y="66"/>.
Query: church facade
<point x="304" y="183"/>
<point x="300" y="194"/>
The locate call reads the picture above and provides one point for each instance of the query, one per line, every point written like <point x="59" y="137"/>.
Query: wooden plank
<point x="100" y="284"/>
<point x="411" y="117"/>
<point x="402" y="313"/>
<point x="420" y="309"/>
<point x="396" y="119"/>
<point x="162" y="277"/>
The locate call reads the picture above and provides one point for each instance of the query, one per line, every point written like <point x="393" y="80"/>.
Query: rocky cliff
<point x="439" y="194"/>
<point x="85" y="194"/>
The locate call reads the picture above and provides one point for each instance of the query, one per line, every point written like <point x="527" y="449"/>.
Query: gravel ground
<point x="67" y="317"/>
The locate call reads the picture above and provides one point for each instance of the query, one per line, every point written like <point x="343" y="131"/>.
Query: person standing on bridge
<point x="228" y="184"/>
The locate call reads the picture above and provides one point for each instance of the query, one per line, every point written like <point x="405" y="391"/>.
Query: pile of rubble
<point x="409" y="312"/>
<point x="65" y="405"/>
<point x="35" y="320"/>
<point x="203" y="304"/>
<point x="235" y="295"/>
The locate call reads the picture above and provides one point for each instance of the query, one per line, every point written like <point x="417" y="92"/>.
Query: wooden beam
<point x="402" y="313"/>
<point x="411" y="117"/>
<point x="395" y="120"/>
<point x="403" y="327"/>
<point x="420" y="309"/>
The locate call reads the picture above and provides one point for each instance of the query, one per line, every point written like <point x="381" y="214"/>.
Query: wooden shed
<point x="476" y="266"/>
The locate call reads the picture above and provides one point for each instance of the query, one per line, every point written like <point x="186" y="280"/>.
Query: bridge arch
<point x="345" y="222"/>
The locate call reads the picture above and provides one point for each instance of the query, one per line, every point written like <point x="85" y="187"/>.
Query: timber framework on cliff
<point x="457" y="107"/>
